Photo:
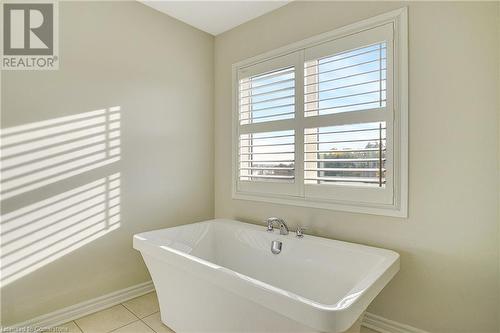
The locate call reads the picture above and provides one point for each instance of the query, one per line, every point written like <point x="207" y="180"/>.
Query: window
<point x="324" y="123"/>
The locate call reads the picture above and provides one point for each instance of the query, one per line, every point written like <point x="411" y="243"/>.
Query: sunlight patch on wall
<point x="38" y="234"/>
<point x="39" y="154"/>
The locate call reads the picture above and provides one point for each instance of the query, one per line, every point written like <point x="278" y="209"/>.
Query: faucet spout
<point x="280" y="223"/>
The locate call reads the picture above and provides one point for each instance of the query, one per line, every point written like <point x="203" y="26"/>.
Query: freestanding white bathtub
<point x="220" y="276"/>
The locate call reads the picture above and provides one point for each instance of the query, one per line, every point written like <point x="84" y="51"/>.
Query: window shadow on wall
<point x="37" y="155"/>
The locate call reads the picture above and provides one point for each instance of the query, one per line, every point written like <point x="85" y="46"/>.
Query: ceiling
<point x="215" y="17"/>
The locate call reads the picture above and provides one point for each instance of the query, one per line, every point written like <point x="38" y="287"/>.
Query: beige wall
<point x="159" y="71"/>
<point x="498" y="97"/>
<point x="449" y="244"/>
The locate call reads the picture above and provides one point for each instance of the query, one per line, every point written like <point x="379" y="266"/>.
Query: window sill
<point x="384" y="210"/>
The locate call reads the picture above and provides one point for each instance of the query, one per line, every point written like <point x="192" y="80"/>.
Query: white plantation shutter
<point x="266" y="145"/>
<point x="347" y="81"/>
<point x="317" y="126"/>
<point x="346" y="93"/>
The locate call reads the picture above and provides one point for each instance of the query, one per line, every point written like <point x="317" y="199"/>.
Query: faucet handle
<point x="300" y="231"/>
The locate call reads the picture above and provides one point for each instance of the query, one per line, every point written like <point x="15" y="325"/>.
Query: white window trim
<point x="399" y="207"/>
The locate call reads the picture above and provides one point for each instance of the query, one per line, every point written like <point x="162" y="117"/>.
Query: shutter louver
<point x="345" y="155"/>
<point x="349" y="81"/>
<point x="267" y="156"/>
<point x="267" y="97"/>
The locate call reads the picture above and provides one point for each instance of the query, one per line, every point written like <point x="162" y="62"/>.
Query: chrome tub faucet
<point x="280" y="223"/>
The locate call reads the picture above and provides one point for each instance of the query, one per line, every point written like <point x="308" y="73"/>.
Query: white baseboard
<point x="383" y="325"/>
<point x="79" y="310"/>
<point x="84" y="308"/>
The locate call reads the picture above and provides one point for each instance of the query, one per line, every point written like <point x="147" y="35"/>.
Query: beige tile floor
<point x="139" y="315"/>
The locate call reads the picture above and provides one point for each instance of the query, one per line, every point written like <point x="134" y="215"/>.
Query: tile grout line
<point x="123" y="304"/>
<point x="138" y="319"/>
<point x="74" y="321"/>
<point x="147" y="323"/>
<point x="122" y="326"/>
<point x="114" y="329"/>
